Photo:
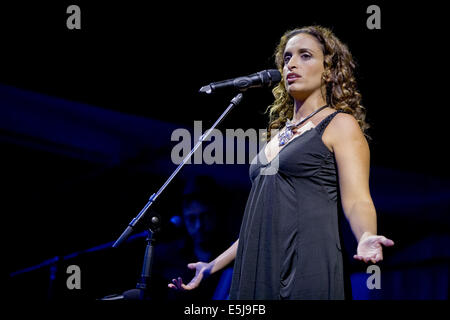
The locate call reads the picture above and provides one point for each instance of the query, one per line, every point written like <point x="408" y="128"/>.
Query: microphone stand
<point x="141" y="291"/>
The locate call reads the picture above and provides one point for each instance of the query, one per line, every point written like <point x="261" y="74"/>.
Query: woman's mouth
<point x="292" y="77"/>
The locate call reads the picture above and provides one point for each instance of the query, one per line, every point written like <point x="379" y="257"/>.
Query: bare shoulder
<point x="343" y="128"/>
<point x="344" y="123"/>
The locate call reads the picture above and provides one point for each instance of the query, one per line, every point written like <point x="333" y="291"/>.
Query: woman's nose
<point x="292" y="64"/>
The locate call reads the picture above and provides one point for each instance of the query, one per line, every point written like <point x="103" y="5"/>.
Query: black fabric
<point x="289" y="242"/>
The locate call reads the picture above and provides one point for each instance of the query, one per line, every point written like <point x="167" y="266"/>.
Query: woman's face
<point x="303" y="66"/>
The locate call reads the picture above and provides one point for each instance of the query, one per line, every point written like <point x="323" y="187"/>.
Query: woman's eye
<point x="286" y="59"/>
<point x="305" y="56"/>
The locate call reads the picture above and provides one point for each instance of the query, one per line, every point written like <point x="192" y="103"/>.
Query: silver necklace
<point x="287" y="135"/>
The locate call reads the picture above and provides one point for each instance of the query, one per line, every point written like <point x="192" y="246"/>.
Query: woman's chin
<point x="298" y="93"/>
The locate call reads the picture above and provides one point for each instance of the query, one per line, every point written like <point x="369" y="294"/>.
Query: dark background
<point x="148" y="61"/>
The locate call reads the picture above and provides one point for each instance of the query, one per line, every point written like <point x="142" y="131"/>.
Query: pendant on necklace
<point x="284" y="137"/>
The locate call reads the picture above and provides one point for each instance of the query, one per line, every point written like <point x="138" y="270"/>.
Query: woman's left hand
<point x="369" y="248"/>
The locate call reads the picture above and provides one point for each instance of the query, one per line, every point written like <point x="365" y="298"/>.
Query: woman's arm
<point x="352" y="155"/>
<point x="353" y="160"/>
<point x="203" y="269"/>
<point x="224" y="259"/>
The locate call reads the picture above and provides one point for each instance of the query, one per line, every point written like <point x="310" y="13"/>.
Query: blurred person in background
<point x="202" y="236"/>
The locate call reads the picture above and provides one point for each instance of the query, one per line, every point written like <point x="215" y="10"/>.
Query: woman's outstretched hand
<point x="202" y="270"/>
<point x="369" y="248"/>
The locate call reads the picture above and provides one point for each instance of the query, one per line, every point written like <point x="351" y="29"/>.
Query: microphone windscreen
<point x="275" y="75"/>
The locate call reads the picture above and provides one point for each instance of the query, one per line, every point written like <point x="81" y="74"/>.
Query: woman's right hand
<point x="202" y="270"/>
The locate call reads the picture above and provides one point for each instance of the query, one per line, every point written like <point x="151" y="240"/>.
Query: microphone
<point x="263" y="78"/>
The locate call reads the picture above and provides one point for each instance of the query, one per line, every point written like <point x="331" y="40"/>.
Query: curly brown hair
<point x="338" y="78"/>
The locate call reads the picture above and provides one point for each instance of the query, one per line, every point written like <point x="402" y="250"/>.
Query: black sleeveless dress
<point x="289" y="241"/>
